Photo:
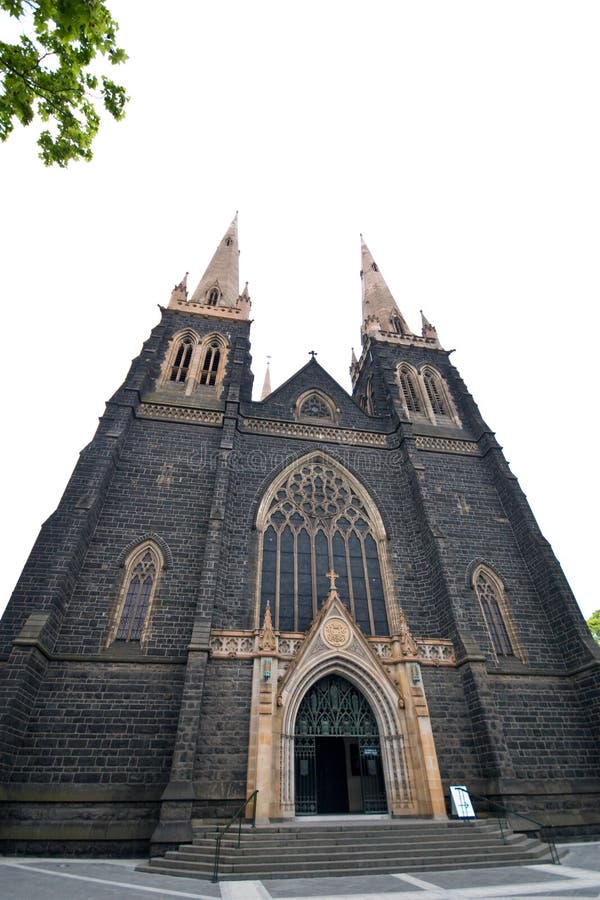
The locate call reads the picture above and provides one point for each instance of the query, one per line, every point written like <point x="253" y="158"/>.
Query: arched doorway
<point x="337" y="752"/>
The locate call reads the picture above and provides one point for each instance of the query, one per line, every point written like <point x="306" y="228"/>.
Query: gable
<point x="312" y="395"/>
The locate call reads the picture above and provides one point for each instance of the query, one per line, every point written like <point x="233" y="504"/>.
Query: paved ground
<point x="49" y="879"/>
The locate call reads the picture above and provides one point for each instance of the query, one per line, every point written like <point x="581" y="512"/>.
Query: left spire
<point x="218" y="291"/>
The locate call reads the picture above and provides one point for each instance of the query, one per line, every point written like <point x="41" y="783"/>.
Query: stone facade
<point x="111" y="743"/>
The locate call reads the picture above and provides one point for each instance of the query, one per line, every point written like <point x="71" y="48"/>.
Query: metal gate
<point x="335" y="708"/>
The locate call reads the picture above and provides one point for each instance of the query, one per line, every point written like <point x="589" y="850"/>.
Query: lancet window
<point x="436" y="393"/>
<point x="409" y="387"/>
<point x="490" y="593"/>
<point x="210" y="363"/>
<point x="191" y="362"/>
<point x="134" y="607"/>
<point x="317" y="520"/>
<point x="424" y="393"/>
<point x="213" y="296"/>
<point x="181" y="361"/>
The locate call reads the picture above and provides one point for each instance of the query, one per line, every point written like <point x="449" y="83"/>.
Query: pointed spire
<point x="267" y="382"/>
<point x="380" y="311"/>
<point x="222" y="273"/>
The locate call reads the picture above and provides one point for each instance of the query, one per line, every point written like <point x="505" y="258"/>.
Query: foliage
<point x="594" y="625"/>
<point x="49" y="71"/>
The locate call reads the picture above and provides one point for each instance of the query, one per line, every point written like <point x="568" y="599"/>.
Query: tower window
<point x="436" y="394"/>
<point x="490" y="593"/>
<point x="409" y="389"/>
<point x="181" y="363"/>
<point x="213" y="296"/>
<point x="317" y="520"/>
<point x="369" y="405"/>
<point x="397" y="325"/>
<point x="210" y="364"/>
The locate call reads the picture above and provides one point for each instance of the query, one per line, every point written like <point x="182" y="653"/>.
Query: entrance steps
<point x="334" y="847"/>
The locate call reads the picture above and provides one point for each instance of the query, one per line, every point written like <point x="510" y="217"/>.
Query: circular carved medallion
<point x="336" y="633"/>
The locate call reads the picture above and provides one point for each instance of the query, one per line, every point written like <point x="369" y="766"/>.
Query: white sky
<point x="462" y="139"/>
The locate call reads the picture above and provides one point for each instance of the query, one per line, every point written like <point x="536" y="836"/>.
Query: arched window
<point x="397" y="325"/>
<point x="409" y="389"/>
<point x="315" y="405"/>
<point x="315" y="520"/>
<point x="213" y="296"/>
<point x="369" y="406"/>
<point x="133" y="609"/>
<point x="490" y="593"/>
<point x="436" y="393"/>
<point x="181" y="360"/>
<point x="209" y="367"/>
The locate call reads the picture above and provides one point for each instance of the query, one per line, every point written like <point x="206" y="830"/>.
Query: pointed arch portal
<point x="337" y="752"/>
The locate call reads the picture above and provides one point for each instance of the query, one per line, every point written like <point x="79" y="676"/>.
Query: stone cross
<point x="332" y="579"/>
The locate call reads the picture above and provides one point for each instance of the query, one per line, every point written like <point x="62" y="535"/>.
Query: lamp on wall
<point x="415" y="673"/>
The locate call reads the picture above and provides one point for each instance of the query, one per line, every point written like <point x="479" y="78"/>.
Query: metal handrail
<point x="544" y="835"/>
<point x="221" y="834"/>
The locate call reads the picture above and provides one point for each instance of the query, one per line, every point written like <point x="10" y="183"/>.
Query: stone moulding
<point x="245" y="645"/>
<point x="179" y="414"/>
<point x="446" y="445"/>
<point x="315" y="432"/>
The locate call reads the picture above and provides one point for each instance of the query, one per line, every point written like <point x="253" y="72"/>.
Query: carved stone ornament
<point x="266" y="638"/>
<point x="336" y="633"/>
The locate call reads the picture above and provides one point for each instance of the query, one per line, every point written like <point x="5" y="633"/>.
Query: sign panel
<point x="461" y="802"/>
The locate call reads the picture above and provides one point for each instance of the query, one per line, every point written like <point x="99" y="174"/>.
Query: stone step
<point x="338" y="854"/>
<point x="395" y="845"/>
<point x="334" y="849"/>
<point x="307" y="870"/>
<point x="318" y="834"/>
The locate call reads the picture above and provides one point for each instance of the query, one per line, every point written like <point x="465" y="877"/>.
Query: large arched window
<point x="133" y="609"/>
<point x="315" y="519"/>
<point x="490" y="593"/>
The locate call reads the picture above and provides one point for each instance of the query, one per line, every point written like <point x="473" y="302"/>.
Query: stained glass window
<point x="317" y="521"/>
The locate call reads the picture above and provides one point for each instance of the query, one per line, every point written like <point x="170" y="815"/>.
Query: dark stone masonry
<point x="129" y="675"/>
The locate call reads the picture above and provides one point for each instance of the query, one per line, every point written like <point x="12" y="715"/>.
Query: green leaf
<point x="45" y="73"/>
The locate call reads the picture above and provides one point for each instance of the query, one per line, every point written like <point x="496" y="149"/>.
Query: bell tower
<point x="486" y="573"/>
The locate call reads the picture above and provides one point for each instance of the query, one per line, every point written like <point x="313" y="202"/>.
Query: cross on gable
<point x="333" y="576"/>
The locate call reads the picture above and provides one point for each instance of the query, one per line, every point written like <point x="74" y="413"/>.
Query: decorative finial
<point x="266" y="637"/>
<point x="333" y="576"/>
<point x="312" y="353"/>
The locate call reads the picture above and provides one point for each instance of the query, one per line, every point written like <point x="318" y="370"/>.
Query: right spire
<point x="380" y="311"/>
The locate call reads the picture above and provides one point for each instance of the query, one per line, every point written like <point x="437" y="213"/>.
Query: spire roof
<point x="266" y="384"/>
<point x="380" y="310"/>
<point x="222" y="273"/>
<point x="218" y="291"/>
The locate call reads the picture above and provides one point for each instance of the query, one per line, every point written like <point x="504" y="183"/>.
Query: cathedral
<point x="341" y="601"/>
